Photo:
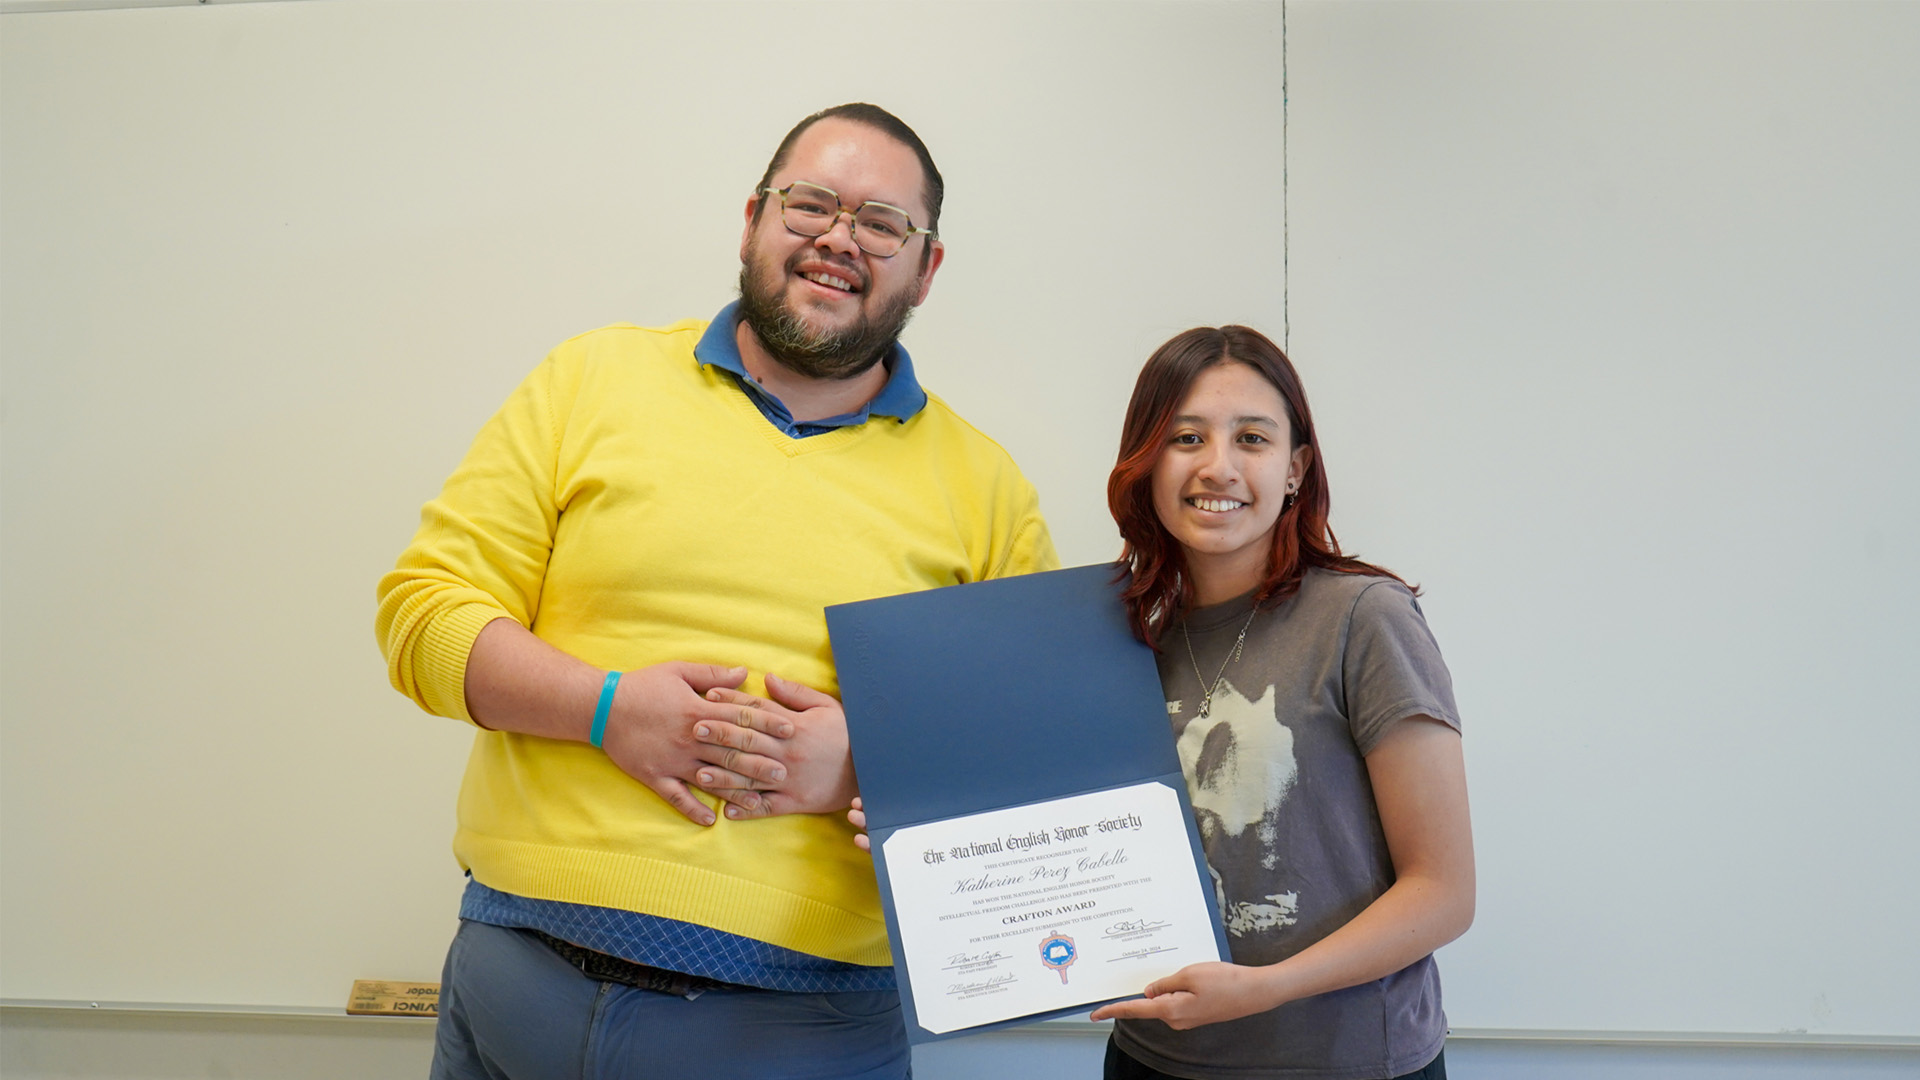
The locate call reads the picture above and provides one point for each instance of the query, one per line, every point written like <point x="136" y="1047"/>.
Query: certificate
<point x="1032" y="837"/>
<point x="1051" y="906"/>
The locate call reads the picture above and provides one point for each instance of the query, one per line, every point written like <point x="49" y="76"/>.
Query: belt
<point x="606" y="968"/>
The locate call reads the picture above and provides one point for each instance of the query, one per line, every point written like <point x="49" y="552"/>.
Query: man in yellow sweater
<point x="622" y="587"/>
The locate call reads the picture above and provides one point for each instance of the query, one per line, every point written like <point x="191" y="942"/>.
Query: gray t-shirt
<point x="1278" y="779"/>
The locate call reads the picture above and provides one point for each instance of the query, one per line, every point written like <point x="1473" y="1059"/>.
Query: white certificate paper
<point x="1048" y="906"/>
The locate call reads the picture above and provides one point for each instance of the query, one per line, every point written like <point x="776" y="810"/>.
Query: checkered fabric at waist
<point x="599" y="965"/>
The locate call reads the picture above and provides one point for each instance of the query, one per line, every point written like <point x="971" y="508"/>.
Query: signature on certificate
<point x="1132" y="928"/>
<point x="969" y="961"/>
<point x="979" y="986"/>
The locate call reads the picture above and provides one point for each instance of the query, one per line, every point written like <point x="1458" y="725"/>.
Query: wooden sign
<point x="377" y="997"/>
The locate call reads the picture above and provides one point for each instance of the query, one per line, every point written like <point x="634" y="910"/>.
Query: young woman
<point x="1316" y="725"/>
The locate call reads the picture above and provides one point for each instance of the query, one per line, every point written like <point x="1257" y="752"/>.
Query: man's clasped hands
<point x="677" y="726"/>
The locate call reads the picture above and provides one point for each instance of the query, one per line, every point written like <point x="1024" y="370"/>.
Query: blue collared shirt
<point x="900" y="399"/>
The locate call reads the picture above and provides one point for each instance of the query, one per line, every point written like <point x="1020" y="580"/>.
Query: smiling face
<point x="1223" y="478"/>
<point x="819" y="305"/>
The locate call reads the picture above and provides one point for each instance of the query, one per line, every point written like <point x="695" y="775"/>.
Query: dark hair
<point x="872" y="116"/>
<point x="1161" y="587"/>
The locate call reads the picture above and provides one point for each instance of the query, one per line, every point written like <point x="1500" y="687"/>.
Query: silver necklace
<point x="1207" y="691"/>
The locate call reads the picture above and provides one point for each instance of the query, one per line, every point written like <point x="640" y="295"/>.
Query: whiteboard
<point x="1597" y="306"/>
<point x="1608" y="314"/>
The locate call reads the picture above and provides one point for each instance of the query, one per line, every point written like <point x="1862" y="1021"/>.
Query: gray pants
<point x="512" y="1009"/>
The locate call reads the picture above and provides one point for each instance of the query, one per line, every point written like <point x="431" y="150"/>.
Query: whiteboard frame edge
<point x="1678" y="1039"/>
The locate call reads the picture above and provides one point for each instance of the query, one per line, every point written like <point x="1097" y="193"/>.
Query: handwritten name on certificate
<point x="1047" y="907"/>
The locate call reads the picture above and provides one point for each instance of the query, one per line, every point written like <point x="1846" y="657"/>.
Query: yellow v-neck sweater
<point x="631" y="506"/>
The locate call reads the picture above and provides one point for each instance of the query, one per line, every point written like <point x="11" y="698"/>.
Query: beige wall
<point x="45" y="1044"/>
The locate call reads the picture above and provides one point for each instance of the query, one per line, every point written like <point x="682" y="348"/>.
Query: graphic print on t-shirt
<point x="1240" y="765"/>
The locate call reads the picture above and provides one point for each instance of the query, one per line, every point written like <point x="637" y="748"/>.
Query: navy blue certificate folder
<point x="993" y="695"/>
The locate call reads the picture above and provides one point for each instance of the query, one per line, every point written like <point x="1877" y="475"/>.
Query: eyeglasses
<point x="811" y="210"/>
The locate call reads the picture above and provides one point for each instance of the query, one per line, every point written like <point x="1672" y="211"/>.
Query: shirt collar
<point x="902" y="398"/>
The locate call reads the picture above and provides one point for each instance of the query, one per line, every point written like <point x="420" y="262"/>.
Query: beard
<point x="803" y="350"/>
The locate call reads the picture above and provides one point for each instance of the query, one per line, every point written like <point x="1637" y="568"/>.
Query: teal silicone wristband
<point x="600" y="710"/>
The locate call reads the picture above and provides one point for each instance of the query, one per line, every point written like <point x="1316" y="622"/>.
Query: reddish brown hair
<point x="1160" y="587"/>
